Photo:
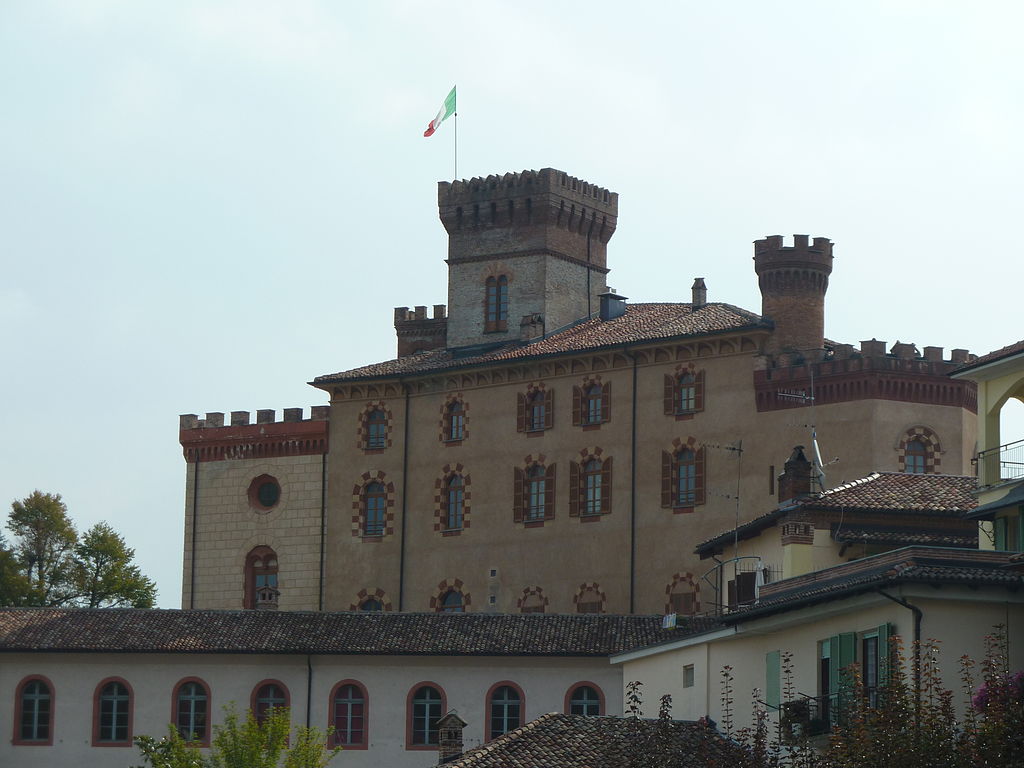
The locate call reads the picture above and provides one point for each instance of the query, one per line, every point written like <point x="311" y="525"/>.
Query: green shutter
<point x="999" y="526"/>
<point x="772" y="673"/>
<point x="842" y="653"/>
<point x="884" y="632"/>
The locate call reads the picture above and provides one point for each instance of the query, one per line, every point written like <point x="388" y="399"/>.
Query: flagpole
<point x="456" y="147"/>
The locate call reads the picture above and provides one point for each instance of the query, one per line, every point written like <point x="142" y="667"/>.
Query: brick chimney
<point x="449" y="732"/>
<point x="699" y="293"/>
<point x="795" y="481"/>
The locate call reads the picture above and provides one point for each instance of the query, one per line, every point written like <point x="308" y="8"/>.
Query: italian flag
<point x="447" y="109"/>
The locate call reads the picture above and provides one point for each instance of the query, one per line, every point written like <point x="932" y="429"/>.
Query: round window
<point x="264" y="493"/>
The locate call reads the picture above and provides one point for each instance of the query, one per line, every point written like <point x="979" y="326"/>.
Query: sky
<point x="204" y="205"/>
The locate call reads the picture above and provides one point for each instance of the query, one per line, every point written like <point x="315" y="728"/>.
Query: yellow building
<point x="541" y="444"/>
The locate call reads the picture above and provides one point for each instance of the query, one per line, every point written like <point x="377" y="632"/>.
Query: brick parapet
<point x="419" y="333"/>
<point x="864" y="377"/>
<point x="209" y="440"/>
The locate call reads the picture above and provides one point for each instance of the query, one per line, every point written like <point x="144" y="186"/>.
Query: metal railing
<point x="1001" y="464"/>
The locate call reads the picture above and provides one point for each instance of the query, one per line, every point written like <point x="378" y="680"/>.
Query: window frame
<point x="262" y="553"/>
<point x="410" y="718"/>
<point x="684" y="392"/>
<point x="568" y="702"/>
<point x="535" y="411"/>
<point x="444" y="607"/>
<point x="18" y="739"/>
<point x="254" y="698"/>
<point x="671" y="476"/>
<point x="496" y="304"/>
<point x="97" y="714"/>
<point x="915" y="462"/>
<point x="454" y="502"/>
<point x="375" y="437"/>
<point x="454" y="421"/>
<point x="333" y="717"/>
<point x="489" y="707"/>
<point x="204" y="737"/>
<point x="586" y="589"/>
<point x="376" y="501"/>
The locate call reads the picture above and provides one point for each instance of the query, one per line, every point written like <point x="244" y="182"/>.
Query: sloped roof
<point x="179" y="631"/>
<point x="640" y="323"/>
<point x="991" y="357"/>
<point x="575" y="741"/>
<point x="966" y="539"/>
<point x="900" y="494"/>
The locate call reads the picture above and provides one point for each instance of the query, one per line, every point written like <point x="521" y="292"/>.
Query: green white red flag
<point x="446" y="111"/>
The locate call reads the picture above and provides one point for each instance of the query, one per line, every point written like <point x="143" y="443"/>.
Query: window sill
<point x="451" y="531"/>
<point x="371" y="451"/>
<point x="683" y="510"/>
<point x="535" y="433"/>
<point x="373" y="537"/>
<point x="453" y="442"/>
<point x="591" y="517"/>
<point x="588" y="427"/>
<point x="685" y="415"/>
<point x="533" y="523"/>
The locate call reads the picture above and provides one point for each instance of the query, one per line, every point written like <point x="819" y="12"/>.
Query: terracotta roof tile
<point x="991" y="357"/>
<point x="134" y="630"/>
<point x="640" y="323"/>
<point x="909" y="537"/>
<point x="574" y="741"/>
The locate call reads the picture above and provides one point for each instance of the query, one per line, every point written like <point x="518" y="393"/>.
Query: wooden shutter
<point x="884" y="633"/>
<point x="577" y="406"/>
<point x="606" y="401"/>
<point x="574" y="489"/>
<point x="518" y="490"/>
<point x="699" y="476"/>
<point x="698" y="391"/>
<point x="732" y="593"/>
<point x="670" y="393"/>
<point x="667" y="479"/>
<point x="842" y="653"/>
<point x="1000" y="527"/>
<point x="520" y="412"/>
<point x="606" y="486"/>
<point x="745" y="583"/>
<point x="549" y="408"/>
<point x="772" y="675"/>
<point x="549" y="492"/>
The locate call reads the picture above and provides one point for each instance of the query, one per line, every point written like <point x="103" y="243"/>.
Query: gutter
<point x="918" y="616"/>
<point x="405" y="484"/>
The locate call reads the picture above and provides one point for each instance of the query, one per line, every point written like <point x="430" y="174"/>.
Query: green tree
<point x="104" y="574"/>
<point x="49" y="564"/>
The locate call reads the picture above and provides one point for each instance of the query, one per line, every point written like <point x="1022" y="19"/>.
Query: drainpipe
<point x="309" y="688"/>
<point x="323" y="526"/>
<point x="918" y="615"/>
<point x="405" y="484"/>
<point x="632" y="493"/>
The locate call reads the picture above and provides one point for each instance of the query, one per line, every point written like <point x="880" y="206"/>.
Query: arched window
<point x="371" y="605"/>
<point x="425" y="707"/>
<point x="584" y="699"/>
<point x="536" y="410"/>
<point x="269" y="694"/>
<point x="686" y="398"/>
<point x="451" y="602"/>
<point x="532" y="601"/>
<point x="496" y="304"/>
<point x="454" y="502"/>
<point x="34" y="712"/>
<point x="686" y="478"/>
<point x="536" y="416"/>
<point x="191" y="711"/>
<point x="592" y="476"/>
<point x="261" y="578"/>
<point x="684" y="392"/>
<point x="915" y="457"/>
<point x="374" y="508"/>
<point x="682" y="598"/>
<point x="349" y="715"/>
<point x="536" y="493"/>
<point x="590" y="485"/>
<point x="113" y="720"/>
<point x="505" y="710"/>
<point x="455" y="421"/>
<point x="534" y="499"/>
<point x="589" y="599"/>
<point x="683" y="473"/>
<point x="376" y="429"/>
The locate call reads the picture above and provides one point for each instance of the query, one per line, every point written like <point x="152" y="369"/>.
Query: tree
<point x="49" y="564"/>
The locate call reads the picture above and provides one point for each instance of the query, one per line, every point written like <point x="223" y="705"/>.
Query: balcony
<point x="1002" y="464"/>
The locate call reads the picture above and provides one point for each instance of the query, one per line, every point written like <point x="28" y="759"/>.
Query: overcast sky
<point x="204" y="205"/>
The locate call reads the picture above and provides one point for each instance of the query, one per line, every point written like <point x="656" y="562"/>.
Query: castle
<point x="539" y="444"/>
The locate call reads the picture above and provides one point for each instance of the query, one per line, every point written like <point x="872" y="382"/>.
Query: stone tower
<point x="793" y="280"/>
<point x="533" y="242"/>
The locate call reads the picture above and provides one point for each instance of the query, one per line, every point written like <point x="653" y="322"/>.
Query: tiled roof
<point x="641" y="323"/>
<point x="928" y="565"/>
<point x="933" y="538"/>
<point x="575" y="741"/>
<point x="175" y="631"/>
<point x="991" y="357"/>
<point x="895" y="493"/>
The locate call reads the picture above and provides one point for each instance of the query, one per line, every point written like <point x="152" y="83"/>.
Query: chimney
<point x="795" y="481"/>
<point x="612" y="305"/>
<point x="531" y="327"/>
<point x="449" y="741"/>
<point x="700" y="293"/>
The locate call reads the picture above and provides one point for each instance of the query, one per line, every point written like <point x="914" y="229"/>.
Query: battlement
<point x="209" y="439"/>
<point x="524" y="184"/>
<point x="419" y="333"/>
<point x="771" y="252"/>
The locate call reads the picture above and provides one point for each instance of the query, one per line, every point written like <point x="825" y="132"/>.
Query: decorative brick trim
<point x="589" y="588"/>
<point x="377" y="594"/>
<point x="683" y="578"/>
<point x="578" y="486"/>
<point x="529" y="592"/>
<point x="524" y="415"/>
<point x="446" y="586"/>
<point x="670" y="475"/>
<point x="673" y="392"/>
<point x="932" y="448"/>
<point x="445" y="428"/>
<point x="362" y="430"/>
<point x="441" y="499"/>
<point x="254" y="441"/>
<point x="581" y="403"/>
<point x="521" y="491"/>
<point x="797" y="528"/>
<point x="358" y="510"/>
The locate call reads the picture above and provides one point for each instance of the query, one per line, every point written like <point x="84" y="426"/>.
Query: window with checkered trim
<point x="682" y="477"/>
<point x="684" y="392"/>
<point x="535" y="410"/>
<point x="919" y="451"/>
<point x="591" y="404"/>
<point x="534" y="493"/>
<point x="590" y="486"/>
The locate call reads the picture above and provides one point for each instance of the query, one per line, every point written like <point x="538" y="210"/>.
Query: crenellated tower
<point x="523" y="244"/>
<point x="793" y="281"/>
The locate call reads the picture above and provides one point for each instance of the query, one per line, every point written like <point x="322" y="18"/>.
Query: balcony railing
<point x="998" y="465"/>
